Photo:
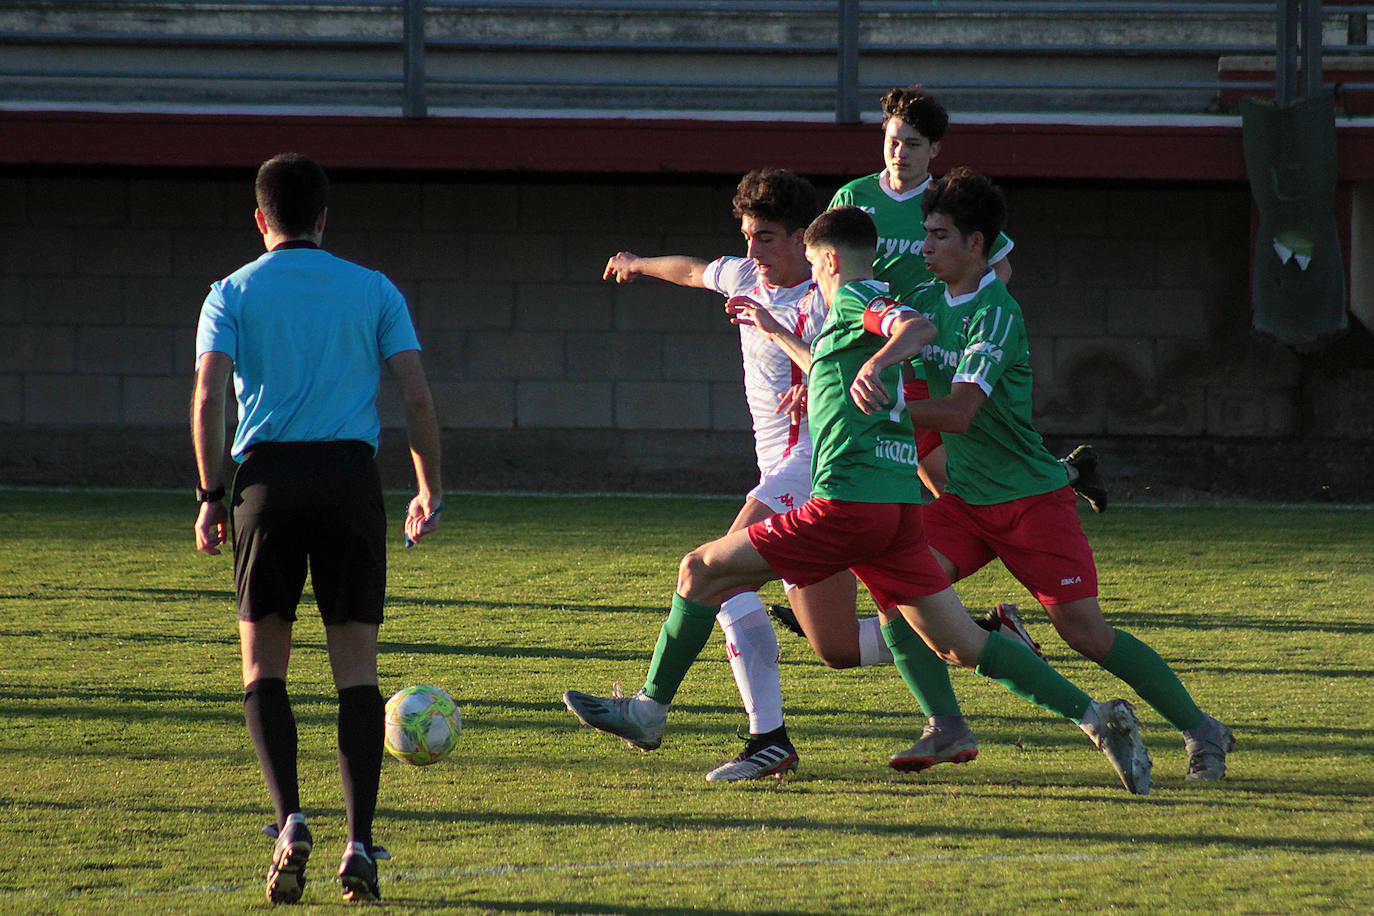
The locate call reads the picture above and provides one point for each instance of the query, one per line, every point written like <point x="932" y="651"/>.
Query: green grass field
<point x="127" y="783"/>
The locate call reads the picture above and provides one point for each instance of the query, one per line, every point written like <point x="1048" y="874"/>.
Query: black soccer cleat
<point x="286" y="874"/>
<point x="358" y="875"/>
<point x="783" y="615"/>
<point x="1088" y="483"/>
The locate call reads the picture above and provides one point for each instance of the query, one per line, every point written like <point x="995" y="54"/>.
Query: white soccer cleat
<point x="936" y="745"/>
<point x="1008" y="619"/>
<point x="620" y="716"/>
<point x="1117" y="734"/>
<point x="762" y="756"/>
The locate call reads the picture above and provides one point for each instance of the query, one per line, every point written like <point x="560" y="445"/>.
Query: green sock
<point x="1025" y="674"/>
<point x="680" y="640"/>
<point x="925" y="673"/>
<point x="1151" y="677"/>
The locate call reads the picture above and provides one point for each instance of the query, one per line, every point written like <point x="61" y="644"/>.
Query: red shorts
<point x="1038" y="539"/>
<point x="927" y="440"/>
<point x="883" y="543"/>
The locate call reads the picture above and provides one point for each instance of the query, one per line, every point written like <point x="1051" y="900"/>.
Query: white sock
<point x="752" y="647"/>
<point x="873" y="648"/>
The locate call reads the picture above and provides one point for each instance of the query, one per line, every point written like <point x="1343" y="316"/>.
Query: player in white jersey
<point x="774" y="207"/>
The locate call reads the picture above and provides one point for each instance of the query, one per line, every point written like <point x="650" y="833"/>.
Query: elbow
<point x="958" y="424"/>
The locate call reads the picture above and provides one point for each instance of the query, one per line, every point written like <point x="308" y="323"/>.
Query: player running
<point x="774" y="207"/>
<point x="864" y="515"/>
<point x="1007" y="497"/>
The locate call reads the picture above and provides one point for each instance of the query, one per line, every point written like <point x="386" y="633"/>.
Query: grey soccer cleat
<point x="619" y="715"/>
<point x="936" y="745"/>
<point x="1207" y="747"/>
<point x="770" y="754"/>
<point x="1088" y="483"/>
<point x="286" y="874"/>
<point x="1117" y="734"/>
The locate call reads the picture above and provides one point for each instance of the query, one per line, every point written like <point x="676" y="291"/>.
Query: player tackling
<point x="864" y="515"/>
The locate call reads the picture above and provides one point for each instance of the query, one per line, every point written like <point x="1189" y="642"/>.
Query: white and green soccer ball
<point x="422" y="725"/>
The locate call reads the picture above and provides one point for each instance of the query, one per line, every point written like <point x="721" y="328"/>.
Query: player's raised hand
<point x="868" y="391"/>
<point x="623" y="267"/>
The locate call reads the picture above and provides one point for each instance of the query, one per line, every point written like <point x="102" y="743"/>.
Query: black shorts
<point x="315" y="505"/>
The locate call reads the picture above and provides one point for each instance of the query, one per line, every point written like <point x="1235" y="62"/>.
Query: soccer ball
<point x="422" y="725"/>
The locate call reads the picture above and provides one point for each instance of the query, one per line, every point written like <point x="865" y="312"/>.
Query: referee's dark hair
<point x="292" y="191"/>
<point x="971" y="201"/>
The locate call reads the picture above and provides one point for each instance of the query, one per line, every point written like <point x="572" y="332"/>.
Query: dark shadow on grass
<point x="153" y="595"/>
<point x="1049" y="837"/>
<point x="566" y="906"/>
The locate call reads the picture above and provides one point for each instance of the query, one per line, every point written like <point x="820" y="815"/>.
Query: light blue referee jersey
<point x="308" y="332"/>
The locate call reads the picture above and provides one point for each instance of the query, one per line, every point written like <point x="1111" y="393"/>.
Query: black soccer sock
<point x="267" y="709"/>
<point x="361" y="726"/>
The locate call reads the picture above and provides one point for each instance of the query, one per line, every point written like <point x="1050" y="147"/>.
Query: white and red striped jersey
<point x="768" y="370"/>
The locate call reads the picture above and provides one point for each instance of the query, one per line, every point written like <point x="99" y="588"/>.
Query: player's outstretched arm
<point x="626" y="267"/>
<point x="422" y="428"/>
<point x="907" y="333"/>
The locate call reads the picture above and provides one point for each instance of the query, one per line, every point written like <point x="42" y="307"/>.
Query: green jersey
<point x="859" y="457"/>
<point x="901" y="230"/>
<point x="981" y="339"/>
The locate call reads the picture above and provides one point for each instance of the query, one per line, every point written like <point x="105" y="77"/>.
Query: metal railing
<point x="469" y="53"/>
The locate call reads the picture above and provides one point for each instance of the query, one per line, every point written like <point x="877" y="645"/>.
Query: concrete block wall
<point x="548" y="377"/>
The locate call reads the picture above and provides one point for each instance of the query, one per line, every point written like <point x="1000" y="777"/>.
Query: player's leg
<point x="709" y="574"/>
<point x="1041" y="542"/>
<point x="1112" y="725"/>
<point x="269" y="575"/>
<point x="347" y="537"/>
<point x="825" y="613"/>
<point x="751" y="647"/>
<point x="1206" y="740"/>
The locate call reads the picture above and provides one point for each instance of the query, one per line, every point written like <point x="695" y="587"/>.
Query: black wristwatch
<point x="209" y="496"/>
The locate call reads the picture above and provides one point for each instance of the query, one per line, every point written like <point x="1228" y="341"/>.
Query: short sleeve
<point x="396" y="332"/>
<point x="217" y="329"/>
<point x="995" y="340"/>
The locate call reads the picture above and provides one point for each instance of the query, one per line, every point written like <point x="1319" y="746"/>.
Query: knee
<point x="692" y="574"/>
<point x="1093" y="643"/>
<point x="838" y="656"/>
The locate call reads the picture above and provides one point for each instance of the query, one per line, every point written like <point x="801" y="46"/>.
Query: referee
<point x="303" y="334"/>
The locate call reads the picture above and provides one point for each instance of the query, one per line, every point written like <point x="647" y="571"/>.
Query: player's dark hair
<point x="292" y="191"/>
<point x="847" y="228"/>
<point x="777" y="195"/>
<point x="971" y="201"/>
<point x="916" y="108"/>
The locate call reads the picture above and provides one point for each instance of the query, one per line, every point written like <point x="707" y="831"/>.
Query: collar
<point x="886" y="185"/>
<point x="987" y="278"/>
<point x="294" y="243"/>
